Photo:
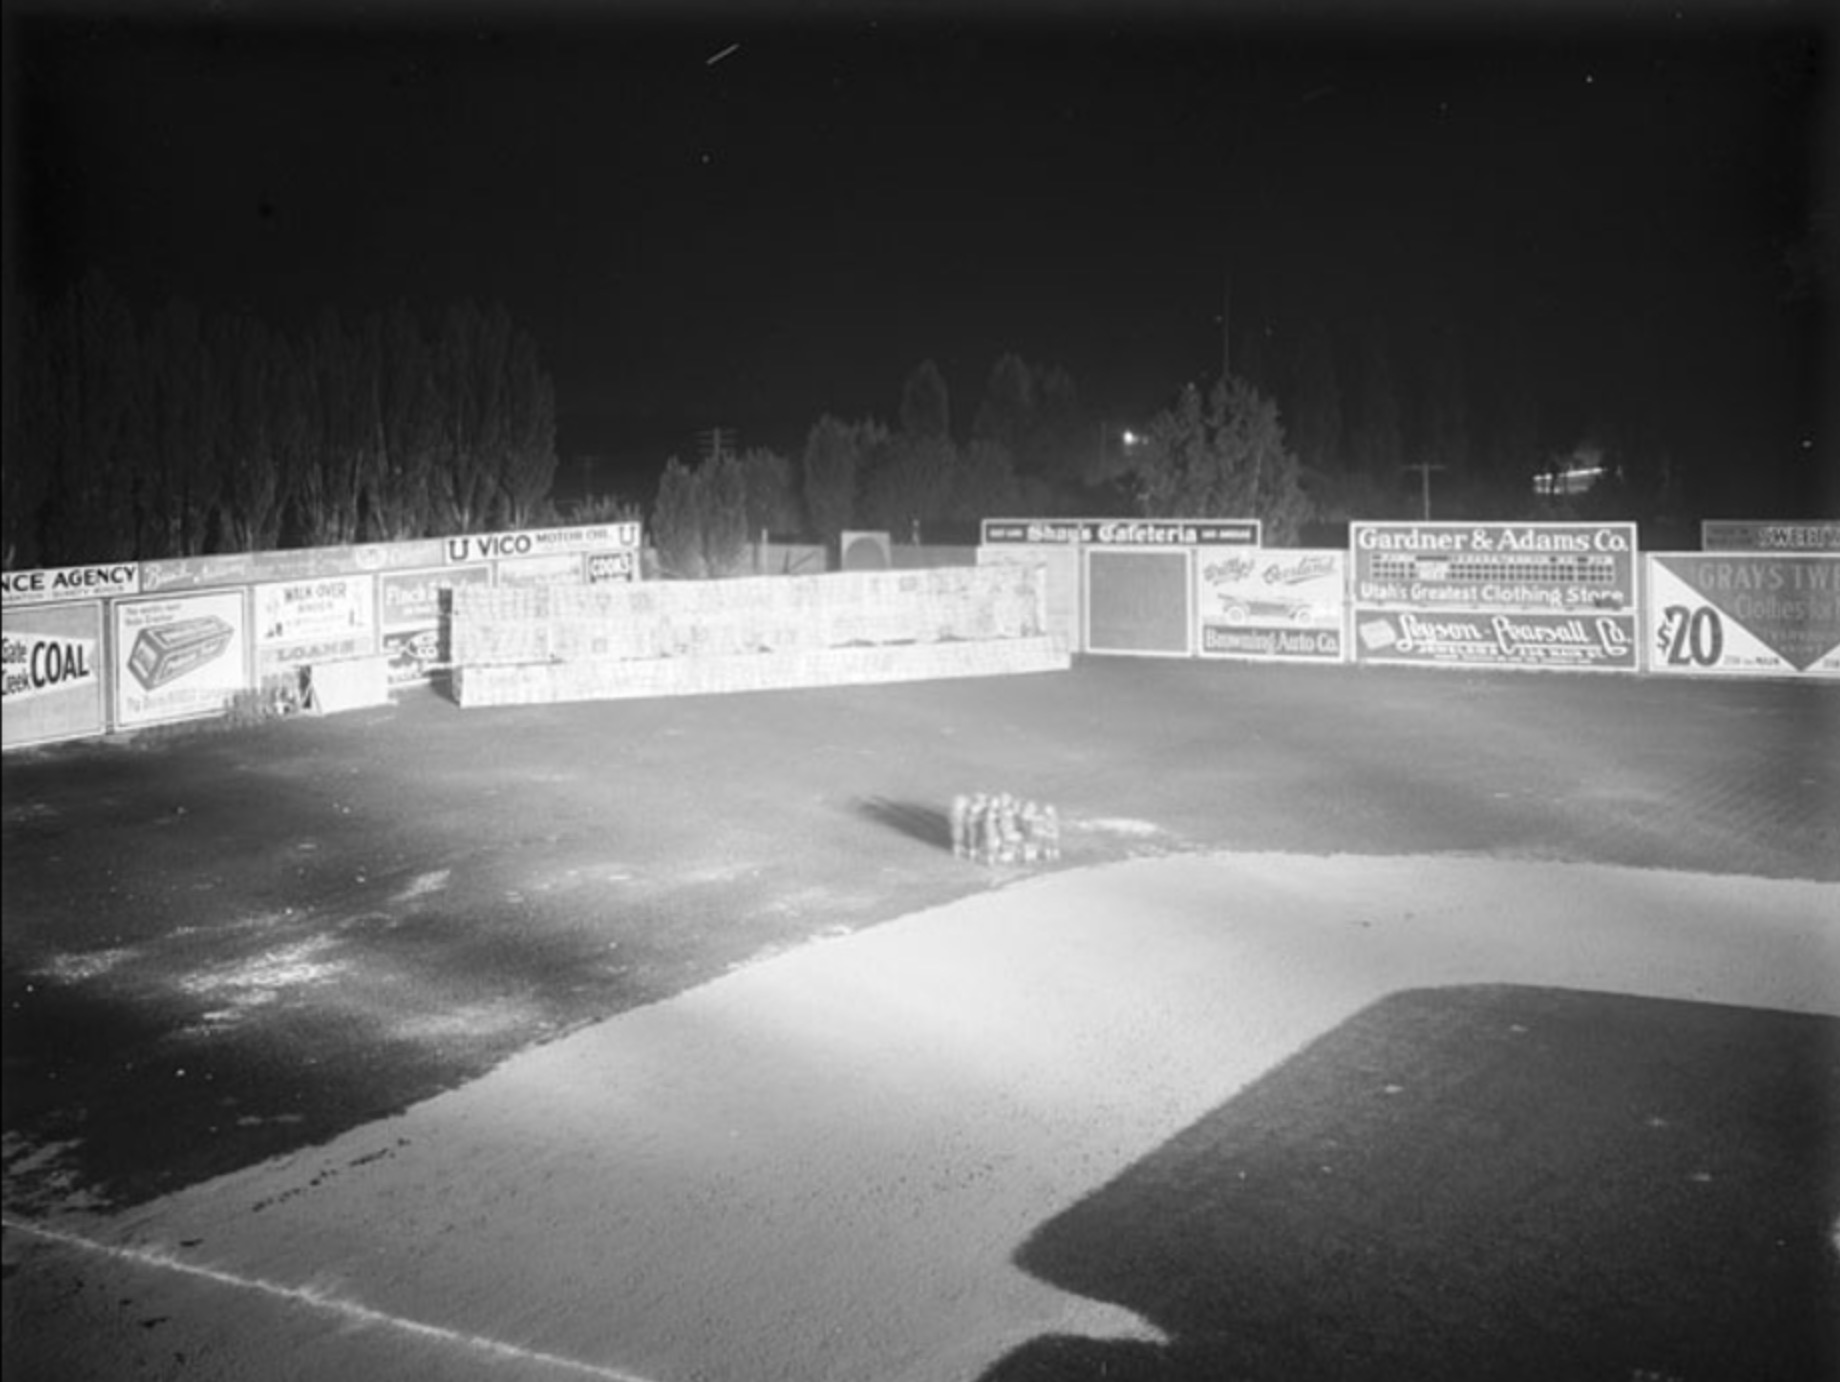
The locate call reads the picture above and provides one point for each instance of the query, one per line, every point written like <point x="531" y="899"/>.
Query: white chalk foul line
<point x="346" y="1310"/>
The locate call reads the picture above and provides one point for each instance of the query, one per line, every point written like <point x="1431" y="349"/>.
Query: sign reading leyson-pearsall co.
<point x="1531" y="595"/>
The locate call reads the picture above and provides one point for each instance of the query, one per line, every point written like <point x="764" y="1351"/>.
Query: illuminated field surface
<point x="1373" y="1022"/>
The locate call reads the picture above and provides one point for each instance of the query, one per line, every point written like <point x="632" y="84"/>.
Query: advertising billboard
<point x="540" y="542"/>
<point x="1271" y="604"/>
<point x="1052" y="544"/>
<point x="1760" y="535"/>
<point x="1737" y="614"/>
<point x="1523" y="595"/>
<point x="51" y="682"/>
<point x="179" y="658"/>
<point x="56" y="584"/>
<point x="293" y="564"/>
<point x="414" y="609"/>
<point x="298" y="623"/>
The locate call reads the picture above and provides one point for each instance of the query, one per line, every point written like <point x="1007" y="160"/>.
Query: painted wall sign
<point x="51" y="673"/>
<point x="1755" y="535"/>
<point x="295" y="564"/>
<point x="555" y="568"/>
<point x="69" y="583"/>
<point x="996" y="532"/>
<point x="1171" y="532"/>
<point x="413" y="614"/>
<point x="418" y="599"/>
<point x="1438" y="593"/>
<point x="1735" y="614"/>
<point x="540" y="541"/>
<point x="301" y="622"/>
<point x="179" y="658"/>
<point x="1271" y="604"/>
<point x="1575" y="642"/>
<point x="612" y="566"/>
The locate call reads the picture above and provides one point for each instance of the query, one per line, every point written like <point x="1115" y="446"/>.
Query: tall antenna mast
<point x="1226" y="328"/>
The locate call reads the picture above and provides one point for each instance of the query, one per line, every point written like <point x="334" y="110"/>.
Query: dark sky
<point x="753" y="215"/>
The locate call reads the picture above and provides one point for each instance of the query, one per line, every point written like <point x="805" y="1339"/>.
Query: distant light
<point x="1572" y="480"/>
<point x="1131" y="438"/>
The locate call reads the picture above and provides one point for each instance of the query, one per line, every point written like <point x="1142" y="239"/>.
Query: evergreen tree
<point x="676" y="528"/>
<point x="909" y="484"/>
<point x="983" y="484"/>
<point x="721" y="510"/>
<point x="772" y="497"/>
<point x="926" y="408"/>
<point x="527" y="465"/>
<point x="833" y="459"/>
<point x="248" y="365"/>
<point x="1222" y="457"/>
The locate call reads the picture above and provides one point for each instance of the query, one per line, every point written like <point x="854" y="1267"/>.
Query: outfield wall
<point x="1467" y="596"/>
<point x="118" y="646"/>
<point x="128" y="645"/>
<point x="567" y="643"/>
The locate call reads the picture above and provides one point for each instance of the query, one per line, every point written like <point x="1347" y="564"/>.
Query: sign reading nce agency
<point x="1530" y="595"/>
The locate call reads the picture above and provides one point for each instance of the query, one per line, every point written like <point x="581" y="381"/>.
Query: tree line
<point x="184" y="434"/>
<point x="1032" y="448"/>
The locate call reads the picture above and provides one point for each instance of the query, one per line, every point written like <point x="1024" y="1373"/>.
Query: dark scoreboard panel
<point x="1139" y="602"/>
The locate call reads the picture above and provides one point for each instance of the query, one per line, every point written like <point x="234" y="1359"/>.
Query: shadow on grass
<point x="927" y="824"/>
<point x="1488" y="1182"/>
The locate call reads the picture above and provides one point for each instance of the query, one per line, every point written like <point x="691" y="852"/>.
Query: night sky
<point x="753" y="216"/>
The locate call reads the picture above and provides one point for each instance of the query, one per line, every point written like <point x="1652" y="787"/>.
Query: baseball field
<point x="1372" y="1023"/>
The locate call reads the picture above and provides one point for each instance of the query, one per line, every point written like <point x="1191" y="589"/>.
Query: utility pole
<point x="1226" y="328"/>
<point x="713" y="443"/>
<point x="1424" y="469"/>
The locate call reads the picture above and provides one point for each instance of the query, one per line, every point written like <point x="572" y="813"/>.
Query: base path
<point x="892" y="1155"/>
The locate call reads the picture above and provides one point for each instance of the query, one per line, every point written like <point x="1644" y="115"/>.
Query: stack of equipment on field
<point x="997" y="828"/>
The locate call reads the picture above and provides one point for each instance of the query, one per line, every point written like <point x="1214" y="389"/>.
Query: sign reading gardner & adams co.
<point x="1526" y="595"/>
<point x="1742" y="614"/>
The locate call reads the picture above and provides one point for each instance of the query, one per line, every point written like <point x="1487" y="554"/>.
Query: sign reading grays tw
<point x="69" y="583"/>
<point x="1534" y="595"/>
<point x="540" y="542"/>
<point x="1744" y="614"/>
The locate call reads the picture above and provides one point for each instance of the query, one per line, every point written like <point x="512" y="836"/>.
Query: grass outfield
<point x="224" y="944"/>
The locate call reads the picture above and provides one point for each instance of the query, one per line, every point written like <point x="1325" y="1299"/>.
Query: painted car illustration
<point x="1247" y="611"/>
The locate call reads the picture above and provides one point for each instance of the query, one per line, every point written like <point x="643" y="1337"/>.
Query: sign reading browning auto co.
<point x="1267" y="603"/>
<point x="1535" y="595"/>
